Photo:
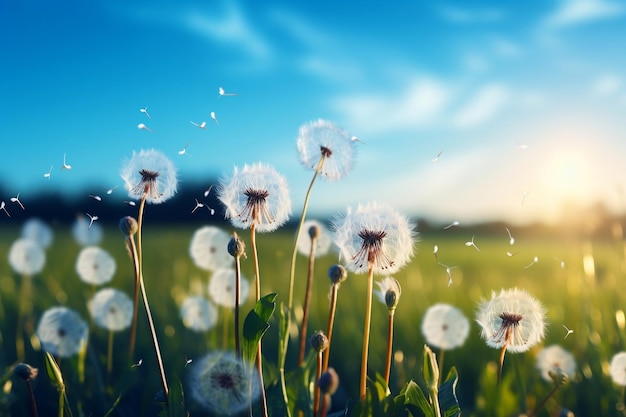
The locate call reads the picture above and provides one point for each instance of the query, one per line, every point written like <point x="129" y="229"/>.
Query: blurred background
<point x="465" y="111"/>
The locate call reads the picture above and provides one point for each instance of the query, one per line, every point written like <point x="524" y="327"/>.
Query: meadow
<point x="577" y="277"/>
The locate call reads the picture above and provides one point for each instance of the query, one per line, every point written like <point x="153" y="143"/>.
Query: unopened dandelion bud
<point x="391" y="299"/>
<point x="319" y="341"/>
<point x="236" y="246"/>
<point x="328" y="382"/>
<point x="128" y="226"/>
<point x="337" y="274"/>
<point x="25" y="372"/>
<point x="389" y="293"/>
<point x="314" y="231"/>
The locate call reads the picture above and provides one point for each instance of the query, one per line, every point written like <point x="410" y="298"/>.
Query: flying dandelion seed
<point x="453" y="224"/>
<point x="95" y="197"/>
<point x="222" y="93"/>
<point x="472" y="244"/>
<point x="4" y="208"/>
<point x="445" y="327"/>
<point x="511" y="238"/>
<point x="95" y="265"/>
<point x="214" y="117"/>
<point x="48" y="174"/>
<point x="436" y="158"/>
<point x="65" y="165"/>
<point x="201" y="205"/>
<point x="554" y="360"/>
<point x="201" y="125"/>
<point x="256" y="194"/>
<point x="111" y="309"/>
<point x="617" y="369"/>
<point x="92" y="218"/>
<point x="17" y="201"/>
<point x="39" y="231"/>
<point x="85" y="235"/>
<point x="323" y="139"/>
<point x="208" y="191"/>
<point x="142" y="126"/>
<point x="110" y="190"/>
<point x="151" y="173"/>
<point x="198" y="314"/>
<point x="222" y="288"/>
<point x="534" y="261"/>
<point x="219" y="382"/>
<point x="569" y="331"/>
<point x="209" y="248"/>
<point x="322" y="239"/>
<point x="61" y="331"/>
<point x="184" y="150"/>
<point x="26" y="256"/>
<point x="144" y="110"/>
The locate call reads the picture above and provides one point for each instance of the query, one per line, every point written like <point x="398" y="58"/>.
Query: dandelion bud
<point x="319" y="341"/>
<point x="314" y="231"/>
<point x="25" y="372"/>
<point x="328" y="382"/>
<point x="389" y="293"/>
<point x="128" y="226"/>
<point x="236" y="246"/>
<point x="337" y="274"/>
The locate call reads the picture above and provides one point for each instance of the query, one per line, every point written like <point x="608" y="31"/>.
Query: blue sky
<point x="524" y="102"/>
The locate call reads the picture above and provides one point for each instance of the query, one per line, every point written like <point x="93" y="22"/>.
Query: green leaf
<point x="255" y="325"/>
<point x="175" y="398"/>
<point x="415" y="400"/>
<point x="447" y="395"/>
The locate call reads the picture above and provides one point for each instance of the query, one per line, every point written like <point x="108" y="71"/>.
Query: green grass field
<point x="578" y="280"/>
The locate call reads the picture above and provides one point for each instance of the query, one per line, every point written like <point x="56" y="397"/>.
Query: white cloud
<point x="485" y="104"/>
<point x="572" y="12"/>
<point x="606" y="85"/>
<point x="420" y="105"/>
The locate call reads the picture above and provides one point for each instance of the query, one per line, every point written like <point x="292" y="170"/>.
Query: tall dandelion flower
<point x="39" y="231"/>
<point x="220" y="382"/>
<point x="445" y="327"/>
<point x="554" y="361"/>
<point x="95" y="265"/>
<point x="323" y="139"/>
<point x="209" y="248"/>
<point x="26" y="256"/>
<point x="61" y="331"/>
<point x="198" y="314"/>
<point x="111" y="309"/>
<point x="84" y="234"/>
<point x="150" y="173"/>
<point x="617" y="369"/>
<point x="374" y="238"/>
<point x="222" y="287"/>
<point x="512" y="320"/>
<point x="389" y="294"/>
<point x="256" y="195"/>
<point x="321" y="239"/>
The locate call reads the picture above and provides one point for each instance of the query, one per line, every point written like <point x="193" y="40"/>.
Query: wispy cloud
<point x="482" y="106"/>
<point x="606" y="85"/>
<point x="420" y="105"/>
<point x="573" y="12"/>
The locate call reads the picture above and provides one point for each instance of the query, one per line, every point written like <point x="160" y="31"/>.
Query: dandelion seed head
<point x="374" y="234"/>
<point x="61" y="331"/>
<point x="512" y="319"/>
<point x="337" y="274"/>
<point x="257" y="194"/>
<point x="111" y="309"/>
<point x="86" y="233"/>
<point x="555" y="360"/>
<point x="198" y="314"/>
<point x="222" y="287"/>
<point x="389" y="292"/>
<point x="220" y="382"/>
<point x="319" y="232"/>
<point x="95" y="265"/>
<point x="445" y="326"/>
<point x="152" y="173"/>
<point x="209" y="248"/>
<point x="322" y="138"/>
<point x="39" y="231"/>
<point x="26" y="256"/>
<point x="617" y="369"/>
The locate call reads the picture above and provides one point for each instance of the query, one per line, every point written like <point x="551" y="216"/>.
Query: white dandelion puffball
<point x="209" y="248"/>
<point x="86" y="234"/>
<point x="373" y="234"/>
<point x="111" y="309"/>
<point x="61" y="331"/>
<point x="151" y="173"/>
<point x="39" y="231"/>
<point x="26" y="256"/>
<point x="445" y="326"/>
<point x="512" y="319"/>
<point x="389" y="292"/>
<point x="220" y="382"/>
<point x="222" y="287"/>
<point x="617" y="369"/>
<point x="322" y="138"/>
<point x="322" y="238"/>
<point x="95" y="266"/>
<point x="256" y="194"/>
<point x="198" y="314"/>
<point x="555" y="359"/>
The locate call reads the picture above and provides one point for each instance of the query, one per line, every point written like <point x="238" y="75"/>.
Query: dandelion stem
<point x="144" y="296"/>
<point x="545" y="401"/>
<point x="257" y="284"/>
<point x="331" y="319"/>
<point x="33" y="404"/>
<point x="307" y="302"/>
<point x="237" y="301"/>
<point x="130" y="243"/>
<point x="389" y="346"/>
<point x="366" y="332"/>
<point x="110" y="353"/>
<point x="318" y="374"/>
<point x="25" y="310"/>
<point x="501" y="362"/>
<point x="441" y="358"/>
